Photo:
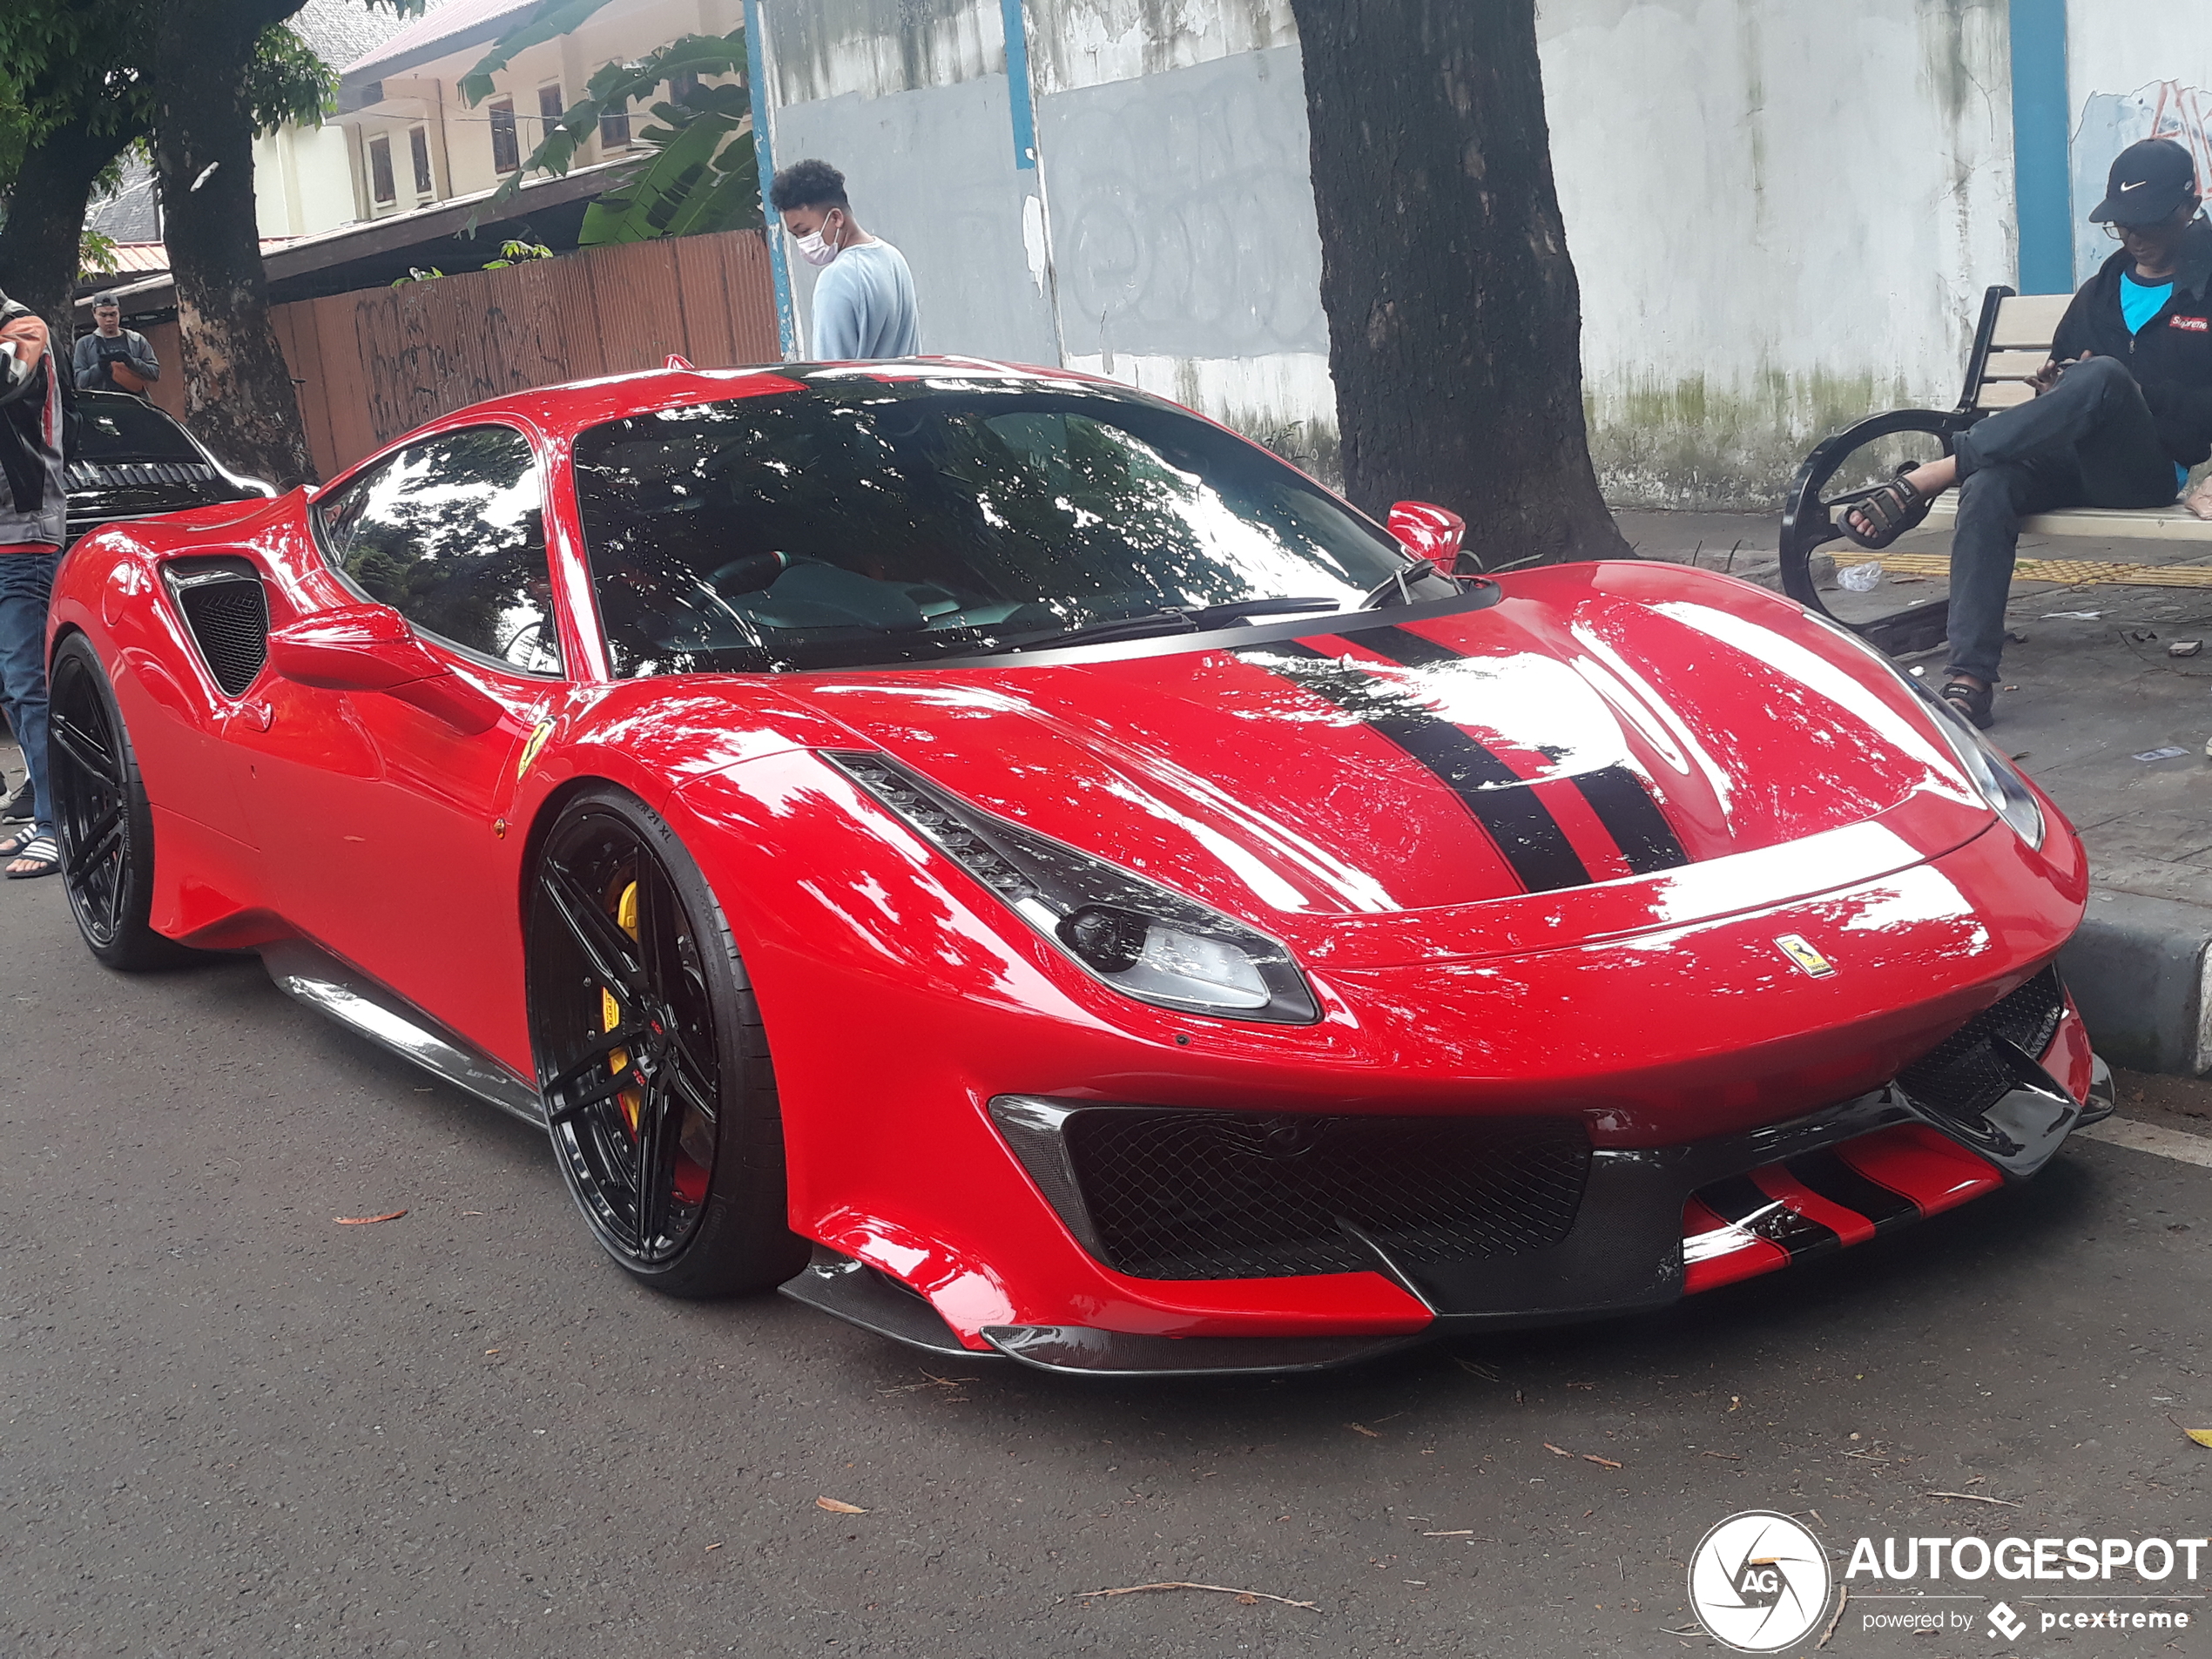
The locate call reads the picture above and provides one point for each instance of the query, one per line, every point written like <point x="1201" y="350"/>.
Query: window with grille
<point x="379" y="171"/>
<point x="505" y="156"/>
<point x="418" y="146"/>
<point x="548" y="104"/>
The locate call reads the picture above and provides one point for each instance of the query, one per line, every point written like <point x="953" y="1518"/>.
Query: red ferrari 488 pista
<point x="1023" y="869"/>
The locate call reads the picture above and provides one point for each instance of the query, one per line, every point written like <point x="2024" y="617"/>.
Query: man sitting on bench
<point x="2121" y="411"/>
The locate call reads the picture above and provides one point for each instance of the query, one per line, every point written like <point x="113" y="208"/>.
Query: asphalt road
<point x="229" y="1425"/>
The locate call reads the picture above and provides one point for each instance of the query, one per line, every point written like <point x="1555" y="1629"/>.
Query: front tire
<point x="103" y="822"/>
<point x="651" y="1061"/>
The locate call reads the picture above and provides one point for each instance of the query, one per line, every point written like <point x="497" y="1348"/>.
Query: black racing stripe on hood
<point x="1617" y="795"/>
<point x="1500" y="799"/>
<point x="1647" y="840"/>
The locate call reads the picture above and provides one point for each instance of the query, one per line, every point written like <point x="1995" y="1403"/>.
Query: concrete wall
<point x="1767" y="250"/>
<point x="1164" y="234"/>
<point x="910" y="99"/>
<point x="1783" y="217"/>
<point x="2135" y="70"/>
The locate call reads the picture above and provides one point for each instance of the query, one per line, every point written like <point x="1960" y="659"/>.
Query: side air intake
<point x="228" y="610"/>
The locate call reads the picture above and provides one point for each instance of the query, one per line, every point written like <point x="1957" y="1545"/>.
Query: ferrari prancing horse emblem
<point x="1805" y="957"/>
<point x="530" y="750"/>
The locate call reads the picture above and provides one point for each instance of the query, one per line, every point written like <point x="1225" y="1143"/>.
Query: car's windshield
<point x="114" y="427"/>
<point x="872" y="521"/>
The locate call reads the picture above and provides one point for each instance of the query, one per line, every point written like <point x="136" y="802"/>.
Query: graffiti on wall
<point x="2111" y="121"/>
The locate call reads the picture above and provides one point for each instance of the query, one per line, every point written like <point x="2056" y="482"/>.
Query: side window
<point x="451" y="533"/>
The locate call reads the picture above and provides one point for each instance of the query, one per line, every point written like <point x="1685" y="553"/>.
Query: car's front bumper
<point x="1651" y="1225"/>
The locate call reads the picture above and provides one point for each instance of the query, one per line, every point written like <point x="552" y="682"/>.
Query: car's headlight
<point x="1145" y="941"/>
<point x="1994" y="777"/>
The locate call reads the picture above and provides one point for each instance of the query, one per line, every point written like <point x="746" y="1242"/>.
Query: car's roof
<point x="580" y="403"/>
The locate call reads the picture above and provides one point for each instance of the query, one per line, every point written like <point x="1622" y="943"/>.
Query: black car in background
<point x="126" y="459"/>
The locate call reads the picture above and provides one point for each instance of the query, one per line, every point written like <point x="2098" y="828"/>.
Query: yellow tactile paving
<point x="2069" y="572"/>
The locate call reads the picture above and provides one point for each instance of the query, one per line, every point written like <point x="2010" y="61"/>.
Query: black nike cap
<point x="2148" y="181"/>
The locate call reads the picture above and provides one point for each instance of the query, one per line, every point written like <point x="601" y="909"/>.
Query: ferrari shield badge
<point x="1804" y="956"/>
<point x="530" y="750"/>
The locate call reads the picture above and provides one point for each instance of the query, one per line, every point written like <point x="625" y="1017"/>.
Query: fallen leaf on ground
<point x="1603" y="1462"/>
<point x="1361" y="1428"/>
<point x="1733" y="1457"/>
<point x="836" y="1509"/>
<point x="367" y="1221"/>
<point x="714" y="1546"/>
<point x="1245" y="1596"/>
<point x="1556" y="1451"/>
<point x="2202" y="1436"/>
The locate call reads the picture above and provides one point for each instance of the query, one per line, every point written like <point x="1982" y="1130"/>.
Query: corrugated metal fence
<point x="372" y="365"/>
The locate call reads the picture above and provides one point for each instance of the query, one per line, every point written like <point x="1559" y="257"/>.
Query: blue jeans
<point x="2088" y="441"/>
<point x="26" y="588"/>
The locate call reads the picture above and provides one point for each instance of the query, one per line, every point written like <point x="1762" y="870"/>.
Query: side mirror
<point x="373" y="647"/>
<point x="1429" y="531"/>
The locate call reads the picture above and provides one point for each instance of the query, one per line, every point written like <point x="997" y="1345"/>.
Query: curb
<point x="2137" y="971"/>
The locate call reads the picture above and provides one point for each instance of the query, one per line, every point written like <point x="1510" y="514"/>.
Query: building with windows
<point x="413" y="141"/>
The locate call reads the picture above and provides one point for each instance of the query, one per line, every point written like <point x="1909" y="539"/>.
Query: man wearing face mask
<point x="864" y="300"/>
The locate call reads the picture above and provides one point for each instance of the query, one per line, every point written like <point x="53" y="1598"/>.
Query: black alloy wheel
<point x="651" y="1061"/>
<point x="102" y="821"/>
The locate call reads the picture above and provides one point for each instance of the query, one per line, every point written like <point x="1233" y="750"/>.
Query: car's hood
<point x="1601" y="725"/>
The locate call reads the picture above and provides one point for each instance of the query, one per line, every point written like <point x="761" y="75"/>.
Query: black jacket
<point x="2171" y="358"/>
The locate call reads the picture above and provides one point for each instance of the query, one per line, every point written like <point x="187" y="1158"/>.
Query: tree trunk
<point x="237" y="388"/>
<point x="1454" y="320"/>
<point x="44" y="225"/>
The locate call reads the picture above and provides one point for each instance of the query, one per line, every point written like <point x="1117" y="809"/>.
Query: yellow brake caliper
<point x="632" y="1099"/>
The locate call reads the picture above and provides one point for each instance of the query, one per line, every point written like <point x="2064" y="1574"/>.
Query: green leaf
<point x="655" y="197"/>
<point x="552" y="19"/>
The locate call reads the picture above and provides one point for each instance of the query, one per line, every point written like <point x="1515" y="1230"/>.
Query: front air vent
<point x="120" y="475"/>
<point x="1964" y="1075"/>
<point x="228" y="610"/>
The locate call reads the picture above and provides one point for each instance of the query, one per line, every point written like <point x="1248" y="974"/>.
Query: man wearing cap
<point x="113" y="358"/>
<point x="2121" y="411"/>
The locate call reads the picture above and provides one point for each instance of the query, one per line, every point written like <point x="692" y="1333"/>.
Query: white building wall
<point x="303" y="181"/>
<point x="2135" y="70"/>
<point x="1783" y="217"/>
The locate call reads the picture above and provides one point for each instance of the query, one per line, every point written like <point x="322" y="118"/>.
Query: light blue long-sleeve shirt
<point x="864" y="305"/>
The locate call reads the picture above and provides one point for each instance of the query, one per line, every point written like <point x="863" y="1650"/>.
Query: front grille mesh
<point x="1962" y="1075"/>
<point x="1203" y="1195"/>
<point x="230" y="621"/>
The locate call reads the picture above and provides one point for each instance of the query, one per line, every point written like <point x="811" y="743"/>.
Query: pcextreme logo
<point x="1760" y="1583"/>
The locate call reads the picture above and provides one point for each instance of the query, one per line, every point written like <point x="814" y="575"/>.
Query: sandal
<point x="13" y="847"/>
<point x="41" y="853"/>
<point x="1971" y="701"/>
<point x="1893" y="509"/>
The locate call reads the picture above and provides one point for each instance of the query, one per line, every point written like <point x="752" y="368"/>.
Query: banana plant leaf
<point x="650" y="204"/>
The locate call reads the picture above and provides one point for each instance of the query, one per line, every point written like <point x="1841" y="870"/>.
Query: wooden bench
<point x="2012" y="340"/>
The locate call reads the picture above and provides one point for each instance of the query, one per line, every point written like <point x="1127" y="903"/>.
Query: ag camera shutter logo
<point x="1760" y="1583"/>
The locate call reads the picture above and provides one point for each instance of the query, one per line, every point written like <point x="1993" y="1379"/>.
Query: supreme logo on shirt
<point x="2195" y="325"/>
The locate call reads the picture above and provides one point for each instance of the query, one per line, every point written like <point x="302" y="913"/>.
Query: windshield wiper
<point x="1174" y="619"/>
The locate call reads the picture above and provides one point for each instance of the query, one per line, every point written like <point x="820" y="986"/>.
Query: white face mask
<point x="816" y="251"/>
